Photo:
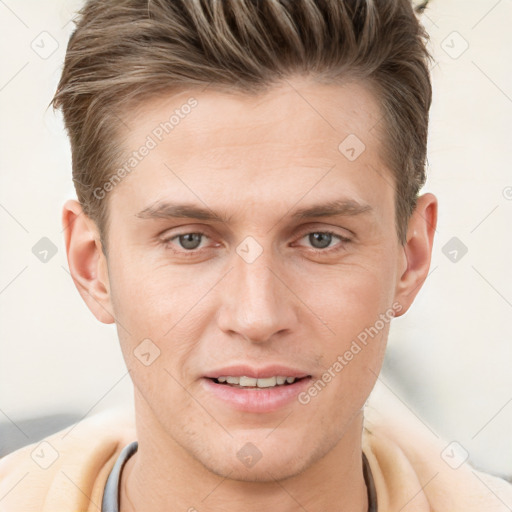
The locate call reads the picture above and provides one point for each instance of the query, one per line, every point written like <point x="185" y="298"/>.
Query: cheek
<point x="348" y="298"/>
<point x="150" y="297"/>
<point x="355" y="306"/>
<point x="162" y="304"/>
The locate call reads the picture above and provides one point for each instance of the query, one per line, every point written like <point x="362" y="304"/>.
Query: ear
<point x="417" y="251"/>
<point x="87" y="263"/>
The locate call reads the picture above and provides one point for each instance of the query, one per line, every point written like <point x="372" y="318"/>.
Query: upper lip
<point x="257" y="373"/>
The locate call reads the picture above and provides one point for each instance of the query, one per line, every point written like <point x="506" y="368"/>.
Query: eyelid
<point x="334" y="230"/>
<point x="187" y="229"/>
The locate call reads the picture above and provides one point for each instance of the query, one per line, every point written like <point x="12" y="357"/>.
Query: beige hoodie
<point x="413" y="470"/>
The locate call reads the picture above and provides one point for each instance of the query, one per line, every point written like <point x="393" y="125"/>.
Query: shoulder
<point x="415" y="470"/>
<point x="68" y="469"/>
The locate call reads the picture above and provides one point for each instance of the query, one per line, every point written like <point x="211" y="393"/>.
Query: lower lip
<point x="259" y="399"/>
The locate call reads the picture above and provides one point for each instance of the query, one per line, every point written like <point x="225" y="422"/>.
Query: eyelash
<point x="194" y="252"/>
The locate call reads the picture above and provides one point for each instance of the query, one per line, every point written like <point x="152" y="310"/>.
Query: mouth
<point x="255" y="395"/>
<point x="244" y="382"/>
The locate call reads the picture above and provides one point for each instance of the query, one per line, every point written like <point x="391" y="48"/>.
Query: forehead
<point x="297" y="110"/>
<point x="298" y="136"/>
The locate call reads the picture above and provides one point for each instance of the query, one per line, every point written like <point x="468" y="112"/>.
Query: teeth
<point x="268" y="382"/>
<point x="248" y="381"/>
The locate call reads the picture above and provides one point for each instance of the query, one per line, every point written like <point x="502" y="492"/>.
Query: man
<point x="248" y="216"/>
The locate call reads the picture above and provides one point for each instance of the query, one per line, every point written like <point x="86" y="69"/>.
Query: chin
<point x="259" y="458"/>
<point x="266" y="471"/>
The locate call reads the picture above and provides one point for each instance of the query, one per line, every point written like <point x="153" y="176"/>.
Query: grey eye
<point x="320" y="240"/>
<point x="190" y="240"/>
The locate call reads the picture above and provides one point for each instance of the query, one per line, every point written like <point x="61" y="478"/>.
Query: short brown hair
<point x="123" y="52"/>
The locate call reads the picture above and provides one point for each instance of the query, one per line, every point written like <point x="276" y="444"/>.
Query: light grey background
<point x="448" y="359"/>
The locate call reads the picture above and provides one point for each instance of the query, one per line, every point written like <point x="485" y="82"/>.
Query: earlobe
<point x="417" y="251"/>
<point x="87" y="263"/>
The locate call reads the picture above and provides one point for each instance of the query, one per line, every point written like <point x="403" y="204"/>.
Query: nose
<point x="257" y="299"/>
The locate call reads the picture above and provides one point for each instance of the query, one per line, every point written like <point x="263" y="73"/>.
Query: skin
<point x="255" y="160"/>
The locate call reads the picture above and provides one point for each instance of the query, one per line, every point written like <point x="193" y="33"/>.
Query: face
<point x="290" y="269"/>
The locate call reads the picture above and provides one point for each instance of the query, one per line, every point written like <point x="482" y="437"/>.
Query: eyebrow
<point x="166" y="210"/>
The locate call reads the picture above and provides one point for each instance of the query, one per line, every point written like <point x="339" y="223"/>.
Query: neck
<point x="162" y="476"/>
